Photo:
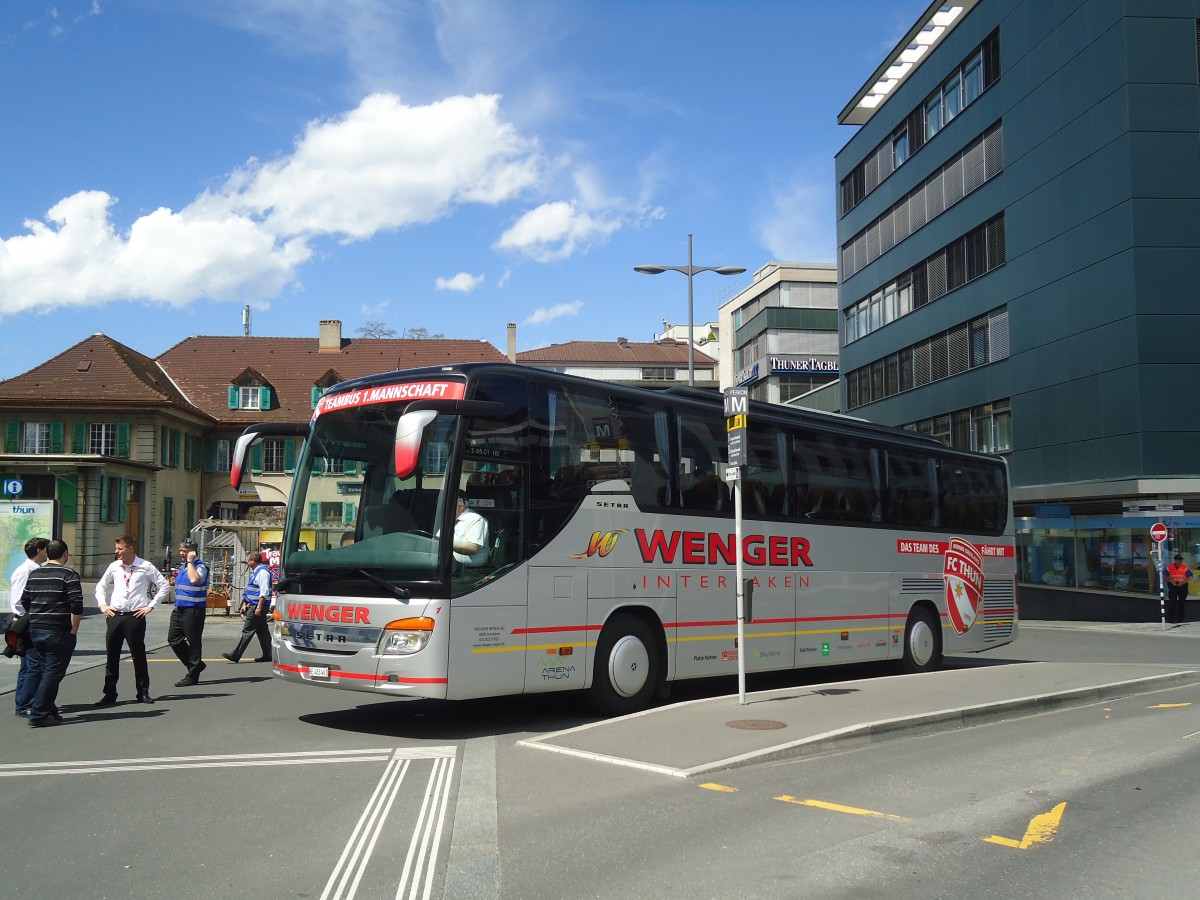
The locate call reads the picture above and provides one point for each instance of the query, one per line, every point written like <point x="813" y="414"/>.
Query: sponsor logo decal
<point x="962" y="571"/>
<point x="313" y="612"/>
<point x="601" y="544"/>
<point x="938" y="548"/>
<point x="391" y="393"/>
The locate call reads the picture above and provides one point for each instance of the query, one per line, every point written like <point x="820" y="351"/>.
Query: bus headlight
<point x="405" y="636"/>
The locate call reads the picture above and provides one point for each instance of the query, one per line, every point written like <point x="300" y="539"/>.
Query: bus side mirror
<point x="241" y="450"/>
<point x="408" y="440"/>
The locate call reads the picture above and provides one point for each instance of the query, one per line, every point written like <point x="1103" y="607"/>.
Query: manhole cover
<point x="756" y="724"/>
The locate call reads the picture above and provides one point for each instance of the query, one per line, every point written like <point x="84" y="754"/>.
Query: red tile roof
<point x="205" y="367"/>
<point x="632" y="353"/>
<point x="98" y="371"/>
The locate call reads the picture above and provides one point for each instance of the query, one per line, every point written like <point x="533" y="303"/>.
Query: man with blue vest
<point x="186" y="631"/>
<point x="256" y="605"/>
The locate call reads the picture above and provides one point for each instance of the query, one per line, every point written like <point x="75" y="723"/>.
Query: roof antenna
<point x="246" y="320"/>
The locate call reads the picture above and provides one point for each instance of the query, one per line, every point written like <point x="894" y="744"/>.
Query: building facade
<point x="783" y="332"/>
<point x="1018" y="237"/>
<point x="657" y="364"/>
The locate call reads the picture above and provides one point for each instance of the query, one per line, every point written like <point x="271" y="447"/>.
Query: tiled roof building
<point x="650" y="364"/>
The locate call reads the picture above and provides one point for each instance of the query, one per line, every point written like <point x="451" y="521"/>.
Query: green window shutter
<point x="123" y="440"/>
<point x="316" y="395"/>
<point x="256" y="459"/>
<point x="122" y="496"/>
<point x="68" y="499"/>
<point x="189" y="515"/>
<point x="164" y="455"/>
<point x="57" y="433"/>
<point x="349" y="467"/>
<point x="103" y="499"/>
<point x="314" y="512"/>
<point x="79" y="437"/>
<point x="289" y="457"/>
<point x="264" y="398"/>
<point x="210" y="454"/>
<point x="168" y="520"/>
<point x="12" y="437"/>
<point x="347" y="513"/>
<point x="233" y="396"/>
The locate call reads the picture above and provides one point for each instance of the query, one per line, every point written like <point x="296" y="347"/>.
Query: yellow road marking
<point x="850" y="810"/>
<point x="713" y="786"/>
<point x="1168" y="706"/>
<point x="1041" y="830"/>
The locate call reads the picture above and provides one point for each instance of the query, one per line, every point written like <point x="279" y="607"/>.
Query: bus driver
<point x="470" y="535"/>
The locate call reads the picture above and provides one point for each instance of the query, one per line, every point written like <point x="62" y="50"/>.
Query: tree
<point x="375" y="330"/>
<point x="422" y="334"/>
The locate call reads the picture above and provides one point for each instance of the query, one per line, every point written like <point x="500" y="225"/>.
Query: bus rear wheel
<point x="628" y="667"/>
<point x="922" y="642"/>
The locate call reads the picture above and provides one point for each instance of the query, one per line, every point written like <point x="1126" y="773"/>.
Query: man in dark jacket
<point x="53" y="597"/>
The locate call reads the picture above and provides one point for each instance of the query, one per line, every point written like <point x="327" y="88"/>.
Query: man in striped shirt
<point x="53" y="597"/>
<point x="35" y="550"/>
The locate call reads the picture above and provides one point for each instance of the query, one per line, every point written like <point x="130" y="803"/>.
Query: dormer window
<point x="249" y="391"/>
<point x="324" y="383"/>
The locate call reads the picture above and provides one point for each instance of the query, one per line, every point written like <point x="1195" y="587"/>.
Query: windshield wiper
<point x="399" y="592"/>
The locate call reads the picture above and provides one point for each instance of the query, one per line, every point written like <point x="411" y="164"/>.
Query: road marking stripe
<point x="713" y="786"/>
<point x="1041" y="830"/>
<point x="850" y="810"/>
<point x="430" y="822"/>
<point x="357" y="851"/>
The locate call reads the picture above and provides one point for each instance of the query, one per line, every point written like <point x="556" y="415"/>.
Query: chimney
<point x="330" y="337"/>
<point x="622" y="342"/>
<point x="512" y="342"/>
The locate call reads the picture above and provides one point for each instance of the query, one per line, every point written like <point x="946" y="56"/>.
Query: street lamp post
<point x="689" y="270"/>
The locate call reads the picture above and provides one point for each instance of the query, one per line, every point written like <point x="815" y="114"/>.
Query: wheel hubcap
<point x="920" y="643"/>
<point x="628" y="666"/>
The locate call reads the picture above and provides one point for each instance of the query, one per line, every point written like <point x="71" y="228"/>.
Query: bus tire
<point x="628" y="667"/>
<point x="922" y="642"/>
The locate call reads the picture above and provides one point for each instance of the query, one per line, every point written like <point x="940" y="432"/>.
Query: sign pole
<point x="1158" y="532"/>
<point x="737" y="415"/>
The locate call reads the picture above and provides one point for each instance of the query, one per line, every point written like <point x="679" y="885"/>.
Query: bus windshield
<point x="352" y="513"/>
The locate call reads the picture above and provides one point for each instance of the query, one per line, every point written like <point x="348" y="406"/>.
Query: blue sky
<point x="451" y="165"/>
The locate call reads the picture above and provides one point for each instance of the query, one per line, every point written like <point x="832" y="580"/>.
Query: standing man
<point x="54" y="598"/>
<point x="123" y="593"/>
<point x="256" y="600"/>
<point x="35" y="550"/>
<point x="1178" y="576"/>
<point x="187" y="618"/>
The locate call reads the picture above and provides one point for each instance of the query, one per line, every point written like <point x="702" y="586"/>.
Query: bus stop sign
<point x="737" y="414"/>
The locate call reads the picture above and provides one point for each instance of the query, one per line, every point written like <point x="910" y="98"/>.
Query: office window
<point x="658" y="374"/>
<point x="899" y="148"/>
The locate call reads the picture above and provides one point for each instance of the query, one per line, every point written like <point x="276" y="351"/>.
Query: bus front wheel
<point x="628" y="667"/>
<point x="922" y="642"/>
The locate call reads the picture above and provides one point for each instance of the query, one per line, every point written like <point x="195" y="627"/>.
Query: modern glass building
<point x="782" y="332"/>
<point x="1019" y="237"/>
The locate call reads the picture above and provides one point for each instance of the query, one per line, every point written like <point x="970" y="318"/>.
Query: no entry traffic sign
<point x="1158" y="531"/>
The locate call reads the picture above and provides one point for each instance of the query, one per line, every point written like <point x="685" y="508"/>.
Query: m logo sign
<point x="963" y="573"/>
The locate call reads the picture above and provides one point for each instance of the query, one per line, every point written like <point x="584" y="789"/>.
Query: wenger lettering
<point x="311" y="612"/>
<point x="698" y="548"/>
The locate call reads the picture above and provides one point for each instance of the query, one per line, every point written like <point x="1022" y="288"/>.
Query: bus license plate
<point x="318" y="671"/>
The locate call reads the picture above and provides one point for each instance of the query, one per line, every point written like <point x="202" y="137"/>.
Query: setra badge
<point x="963" y="573"/>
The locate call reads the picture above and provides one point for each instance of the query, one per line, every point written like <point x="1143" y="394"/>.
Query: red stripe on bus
<point x="342" y="673"/>
<point x="551" y="629"/>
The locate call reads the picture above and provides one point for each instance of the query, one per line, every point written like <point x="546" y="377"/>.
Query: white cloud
<point x="542" y="315"/>
<point x="463" y="283"/>
<point x="555" y="231"/>
<point x="800" y="225"/>
<point x="381" y="166"/>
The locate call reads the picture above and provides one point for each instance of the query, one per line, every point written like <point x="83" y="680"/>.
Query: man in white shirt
<point x="470" y="535"/>
<point x="35" y="550"/>
<point x="123" y="593"/>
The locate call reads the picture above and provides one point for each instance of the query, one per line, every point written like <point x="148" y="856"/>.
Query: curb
<point x="870" y="733"/>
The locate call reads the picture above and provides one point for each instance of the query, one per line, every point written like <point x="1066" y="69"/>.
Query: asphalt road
<point x="247" y="784"/>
